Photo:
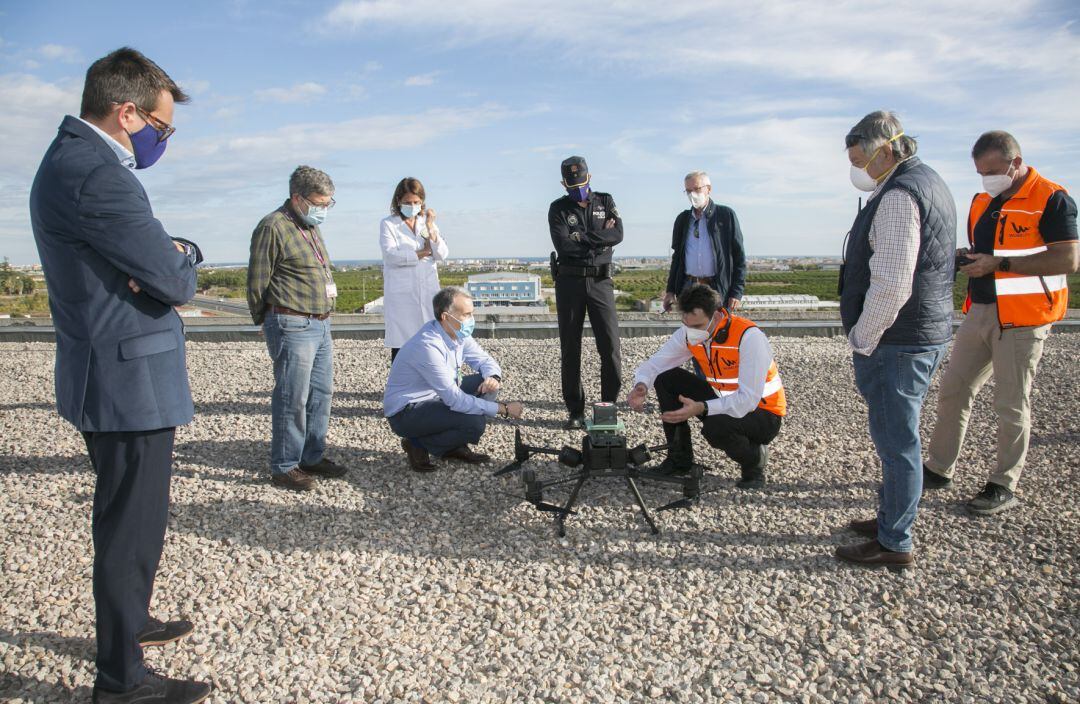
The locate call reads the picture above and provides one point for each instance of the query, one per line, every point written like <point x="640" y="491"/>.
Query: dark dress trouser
<point x="574" y="297"/>
<point x="131" y="509"/>
<point x="738" y="438"/>
<point x="431" y="425"/>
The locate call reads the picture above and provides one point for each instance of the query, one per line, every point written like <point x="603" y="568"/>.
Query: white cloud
<point x="31" y="116"/>
<point x="298" y="93"/>
<point x="57" y="52"/>
<point x="926" y="45"/>
<point x="423" y="79"/>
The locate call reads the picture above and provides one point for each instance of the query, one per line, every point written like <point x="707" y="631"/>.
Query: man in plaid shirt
<point x="291" y="292"/>
<point x="896" y="307"/>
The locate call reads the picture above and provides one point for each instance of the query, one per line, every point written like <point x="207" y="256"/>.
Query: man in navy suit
<point x="114" y="275"/>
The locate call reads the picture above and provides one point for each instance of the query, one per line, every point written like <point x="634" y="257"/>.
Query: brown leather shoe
<point x="295" y="479"/>
<point x="324" y="468"/>
<point x="464" y="454"/>
<point x="419" y="460"/>
<point x="872" y="554"/>
<point x="867" y="528"/>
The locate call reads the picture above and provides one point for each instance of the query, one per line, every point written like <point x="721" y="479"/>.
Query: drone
<point x="603" y="454"/>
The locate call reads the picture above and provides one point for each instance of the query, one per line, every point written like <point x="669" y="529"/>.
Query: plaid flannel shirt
<point x="283" y="269"/>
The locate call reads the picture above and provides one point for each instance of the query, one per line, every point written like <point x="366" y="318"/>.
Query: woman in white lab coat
<point x="411" y="248"/>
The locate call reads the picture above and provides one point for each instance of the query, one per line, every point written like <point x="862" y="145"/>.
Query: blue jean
<point x="893" y="380"/>
<point x="303" y="354"/>
<point x="431" y="425"/>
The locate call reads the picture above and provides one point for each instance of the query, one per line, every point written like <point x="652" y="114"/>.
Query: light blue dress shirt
<point x="700" y="257"/>
<point x="428" y="366"/>
<point x="126" y="157"/>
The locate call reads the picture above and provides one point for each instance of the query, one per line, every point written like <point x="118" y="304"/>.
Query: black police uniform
<point x="583" y="284"/>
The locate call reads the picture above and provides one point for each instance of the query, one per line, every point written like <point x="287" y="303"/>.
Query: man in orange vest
<point x="740" y="402"/>
<point x="1023" y="244"/>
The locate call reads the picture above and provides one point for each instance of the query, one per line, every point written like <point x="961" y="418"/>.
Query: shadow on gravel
<point x="27" y="406"/>
<point x="45" y="464"/>
<point x="29" y="689"/>
<point x="78" y="648"/>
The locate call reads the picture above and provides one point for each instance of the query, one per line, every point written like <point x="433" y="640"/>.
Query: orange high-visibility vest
<point x="719" y="359"/>
<point x="1022" y="300"/>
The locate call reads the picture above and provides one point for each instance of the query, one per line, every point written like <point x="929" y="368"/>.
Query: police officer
<point x="585" y="227"/>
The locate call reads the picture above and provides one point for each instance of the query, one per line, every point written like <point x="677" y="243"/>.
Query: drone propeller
<point x="681" y="503"/>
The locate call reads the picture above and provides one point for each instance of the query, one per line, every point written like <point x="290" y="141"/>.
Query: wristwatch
<point x="1005" y="264"/>
<point x="704" y="411"/>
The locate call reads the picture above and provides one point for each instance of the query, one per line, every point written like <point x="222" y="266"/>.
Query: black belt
<point x="598" y="272"/>
<point x="702" y="280"/>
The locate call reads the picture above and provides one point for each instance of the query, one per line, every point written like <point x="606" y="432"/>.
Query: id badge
<point x="331" y="290"/>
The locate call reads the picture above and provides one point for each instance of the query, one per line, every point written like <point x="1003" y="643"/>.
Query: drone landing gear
<point x="597" y="464"/>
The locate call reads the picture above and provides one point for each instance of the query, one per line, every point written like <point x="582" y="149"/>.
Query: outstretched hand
<point x="689" y="409"/>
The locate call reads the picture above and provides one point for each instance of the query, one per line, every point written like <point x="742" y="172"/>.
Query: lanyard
<point x="311" y="242"/>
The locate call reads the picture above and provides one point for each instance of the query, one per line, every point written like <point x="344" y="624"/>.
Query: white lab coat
<point x="409" y="283"/>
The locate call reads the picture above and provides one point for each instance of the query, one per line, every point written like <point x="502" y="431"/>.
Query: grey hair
<point x="307" y="180"/>
<point x="698" y="174"/>
<point x="878" y="128"/>
<point x="999" y="141"/>
<point x="444" y="299"/>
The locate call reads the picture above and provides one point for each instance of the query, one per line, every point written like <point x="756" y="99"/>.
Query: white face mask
<point x="698" y="199"/>
<point x="996" y="184"/>
<point x="695" y="336"/>
<point x="862" y="180"/>
<point x="410" y="210"/>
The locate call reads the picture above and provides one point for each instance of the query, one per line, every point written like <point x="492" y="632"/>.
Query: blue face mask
<point x="315" y="215"/>
<point x="467" y="327"/>
<point x="580" y="193"/>
<point x="146" y="146"/>
<point x="410" y="210"/>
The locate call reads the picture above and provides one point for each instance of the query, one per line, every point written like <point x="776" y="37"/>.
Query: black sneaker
<point x="752" y="479"/>
<point x="324" y="468"/>
<point x="159" y="632"/>
<point x="933" y="480"/>
<point x="994" y="498"/>
<point x="671" y="469"/>
<point x="157" y="689"/>
<point x="574" y="423"/>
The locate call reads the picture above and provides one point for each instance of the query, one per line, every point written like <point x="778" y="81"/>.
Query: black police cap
<point x="575" y="171"/>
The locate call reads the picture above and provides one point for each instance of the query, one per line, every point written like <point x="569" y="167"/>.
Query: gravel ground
<point x="391" y="586"/>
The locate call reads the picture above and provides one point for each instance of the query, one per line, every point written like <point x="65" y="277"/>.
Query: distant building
<point x="503" y="288"/>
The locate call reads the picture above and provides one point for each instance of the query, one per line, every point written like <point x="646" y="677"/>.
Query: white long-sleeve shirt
<point x="894" y="239"/>
<point x="755" y="357"/>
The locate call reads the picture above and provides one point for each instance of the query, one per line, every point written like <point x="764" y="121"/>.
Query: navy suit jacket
<point x="119" y="355"/>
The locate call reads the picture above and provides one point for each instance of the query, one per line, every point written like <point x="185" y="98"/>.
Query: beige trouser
<point x="982" y="347"/>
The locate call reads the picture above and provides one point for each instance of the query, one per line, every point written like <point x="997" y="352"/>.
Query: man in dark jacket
<point x="585" y="227"/>
<point x="896" y="307"/>
<point x="707" y="246"/>
<point x="114" y="275"/>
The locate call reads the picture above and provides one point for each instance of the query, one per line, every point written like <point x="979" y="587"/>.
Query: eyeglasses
<point x="696" y="190"/>
<point x="328" y="205"/>
<point x="164" y="129"/>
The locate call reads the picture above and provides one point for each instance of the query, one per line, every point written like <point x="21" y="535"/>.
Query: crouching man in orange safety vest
<point x="740" y="402"/>
<point x="1022" y="232"/>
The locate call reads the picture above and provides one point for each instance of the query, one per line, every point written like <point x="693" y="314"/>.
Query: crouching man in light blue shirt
<point x="429" y="404"/>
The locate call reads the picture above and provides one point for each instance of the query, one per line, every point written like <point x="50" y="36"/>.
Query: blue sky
<point x="481" y="100"/>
